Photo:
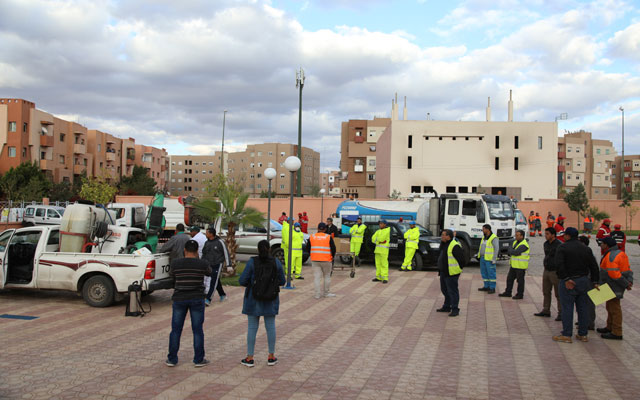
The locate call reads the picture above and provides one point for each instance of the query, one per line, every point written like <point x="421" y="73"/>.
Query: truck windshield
<point x="500" y="210"/>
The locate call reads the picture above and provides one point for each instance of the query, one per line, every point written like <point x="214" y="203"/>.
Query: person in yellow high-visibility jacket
<point x="296" y="251"/>
<point x="381" y="239"/>
<point x="411" y="239"/>
<point x="285" y="244"/>
<point x="357" y="237"/>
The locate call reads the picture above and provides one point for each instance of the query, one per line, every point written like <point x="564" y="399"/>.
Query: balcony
<point x="130" y="161"/>
<point x="163" y="167"/>
<point x="79" y="148"/>
<point x="46" y="165"/>
<point x="562" y="154"/>
<point x="147" y="164"/>
<point x="359" y="139"/>
<point x="110" y="157"/>
<point x="627" y="169"/>
<point x="79" y="169"/>
<point x="46" y="141"/>
<point x="627" y="179"/>
<point x="561" y="168"/>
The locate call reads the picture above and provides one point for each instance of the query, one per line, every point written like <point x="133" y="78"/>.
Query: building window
<point x="577" y="149"/>
<point x="259" y="153"/>
<point x="62" y="135"/>
<point x="179" y="162"/>
<point x="497" y="163"/>
<point x="12" y="151"/>
<point x="372" y="163"/>
<point x="539" y="142"/>
<point x="24" y="152"/>
<point x="371" y="177"/>
<point x="358" y="133"/>
<point x="410" y="141"/>
<point x="606" y="191"/>
<point x="597" y="191"/>
<point x="173" y="163"/>
<point x="597" y="152"/>
<point x="281" y="176"/>
<point x="415" y="189"/>
<point x="372" y="148"/>
<point x="569" y="149"/>
<point x="251" y="176"/>
<point x="409" y="162"/>
<point x="606" y="178"/>
<point x="515" y="163"/>
<point x="173" y="179"/>
<point x="606" y="151"/>
<point x="259" y="164"/>
<point x="497" y="143"/>
<point x="281" y="186"/>
<point x="516" y="143"/>
<point x="61" y="159"/>
<point x="25" y="127"/>
<point x="12" y="126"/>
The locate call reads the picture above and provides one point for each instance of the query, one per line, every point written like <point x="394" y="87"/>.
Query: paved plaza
<point x="373" y="341"/>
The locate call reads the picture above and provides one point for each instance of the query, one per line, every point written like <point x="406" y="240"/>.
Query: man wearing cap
<point x="357" y="237"/>
<point x="297" y="239"/>
<point x="381" y="239"/>
<point x="559" y="227"/>
<point x="322" y="250"/>
<point x="603" y="232"/>
<point x="615" y="271"/>
<point x="411" y="240"/>
<point x="488" y="256"/>
<point x="619" y="236"/>
<point x="175" y="245"/>
<point x="577" y="271"/>
<point x="199" y="237"/>
<point x="519" y="252"/>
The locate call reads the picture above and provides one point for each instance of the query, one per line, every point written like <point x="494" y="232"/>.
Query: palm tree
<point x="231" y="209"/>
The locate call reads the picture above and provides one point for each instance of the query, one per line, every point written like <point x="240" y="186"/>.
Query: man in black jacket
<point x="549" y="276"/>
<point x="577" y="271"/>
<point x="216" y="254"/>
<point x="332" y="230"/>
<point x="449" y="268"/>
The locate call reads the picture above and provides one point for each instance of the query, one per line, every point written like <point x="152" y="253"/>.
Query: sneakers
<point x="330" y="295"/>
<point x="248" y="363"/>
<point x="272" y="361"/>
<point x="542" y="314"/>
<point x="582" y="338"/>
<point x="562" y="339"/>
<point x="610" y="336"/>
<point x="504" y="294"/>
<point x="207" y="302"/>
<point x="202" y="363"/>
<point x="170" y="364"/>
<point x="223" y="298"/>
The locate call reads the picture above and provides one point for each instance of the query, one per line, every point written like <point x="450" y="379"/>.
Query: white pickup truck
<point x="30" y="259"/>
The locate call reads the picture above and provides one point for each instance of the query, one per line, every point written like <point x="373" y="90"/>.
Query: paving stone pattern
<point x="373" y="341"/>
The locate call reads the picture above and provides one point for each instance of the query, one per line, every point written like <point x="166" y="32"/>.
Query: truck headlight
<point x="434" y="245"/>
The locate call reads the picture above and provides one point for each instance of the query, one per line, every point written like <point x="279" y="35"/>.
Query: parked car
<point x="42" y="215"/>
<point x="247" y="238"/>
<point x="428" y="248"/>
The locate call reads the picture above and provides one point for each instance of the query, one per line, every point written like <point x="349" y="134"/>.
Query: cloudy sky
<point x="163" y="71"/>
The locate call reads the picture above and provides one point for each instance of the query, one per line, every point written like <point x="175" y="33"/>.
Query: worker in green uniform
<point x="357" y="237"/>
<point x="296" y="251"/>
<point x="285" y="244"/>
<point x="411" y="238"/>
<point x="381" y="239"/>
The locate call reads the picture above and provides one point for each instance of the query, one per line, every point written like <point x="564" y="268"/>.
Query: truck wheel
<point x="345" y="259"/>
<point x="278" y="253"/>
<point x="416" y="263"/>
<point x="466" y="252"/>
<point x="305" y="257"/>
<point x="98" y="291"/>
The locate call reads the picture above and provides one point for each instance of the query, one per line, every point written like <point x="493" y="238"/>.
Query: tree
<point x="265" y="194"/>
<point x="97" y="190"/>
<point x="232" y="210"/>
<point x="627" y="198"/>
<point x="395" y="194"/>
<point x="597" y="214"/>
<point x="26" y="182"/>
<point x="636" y="191"/>
<point x="139" y="183"/>
<point x="577" y="201"/>
<point x="220" y="183"/>
<point x="315" y="191"/>
<point x="62" y="191"/>
<point x="633" y="210"/>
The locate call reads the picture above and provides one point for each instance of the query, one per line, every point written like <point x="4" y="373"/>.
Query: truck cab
<point x="129" y="214"/>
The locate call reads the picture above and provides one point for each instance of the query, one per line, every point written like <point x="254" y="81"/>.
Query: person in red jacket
<point x="304" y="225"/>
<point x="603" y="232"/>
<point x="619" y="236"/>
<point x="559" y="227"/>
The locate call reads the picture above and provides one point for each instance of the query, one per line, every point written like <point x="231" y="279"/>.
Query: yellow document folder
<point x="600" y="296"/>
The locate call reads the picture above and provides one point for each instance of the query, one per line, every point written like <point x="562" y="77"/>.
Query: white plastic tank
<point x="77" y="222"/>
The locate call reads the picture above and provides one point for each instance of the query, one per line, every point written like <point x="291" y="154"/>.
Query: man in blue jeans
<point x="188" y="295"/>
<point x="577" y="271"/>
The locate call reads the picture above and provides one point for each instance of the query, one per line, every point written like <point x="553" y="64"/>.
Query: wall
<point x="612" y="207"/>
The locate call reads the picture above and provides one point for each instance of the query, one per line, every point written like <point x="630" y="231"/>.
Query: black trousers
<point x="515" y="273"/>
<point x="449" y="288"/>
<point x="217" y="273"/>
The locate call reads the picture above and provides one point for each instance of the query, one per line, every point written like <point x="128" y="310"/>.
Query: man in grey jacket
<point x="488" y="256"/>
<point x="175" y="245"/>
<point x="215" y="252"/>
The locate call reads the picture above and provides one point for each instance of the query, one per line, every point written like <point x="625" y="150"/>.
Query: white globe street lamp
<point x="269" y="173"/>
<point x="292" y="164"/>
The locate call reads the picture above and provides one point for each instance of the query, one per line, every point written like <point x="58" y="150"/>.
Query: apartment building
<point x="66" y="149"/>
<point x="191" y="173"/>
<point x="582" y="159"/>
<point x="631" y="176"/>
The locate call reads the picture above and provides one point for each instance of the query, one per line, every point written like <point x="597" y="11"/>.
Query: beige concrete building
<point x="631" y="174"/>
<point x="191" y="173"/>
<point x="155" y="161"/>
<point x="517" y="159"/>
<point x="582" y="159"/>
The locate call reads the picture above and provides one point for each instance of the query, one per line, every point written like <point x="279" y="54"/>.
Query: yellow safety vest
<point x="454" y="266"/>
<point x="412" y="237"/>
<point x="488" y="250"/>
<point x="381" y="239"/>
<point x="297" y="240"/>
<point x="357" y="233"/>
<point x="285" y="235"/>
<point x="521" y="261"/>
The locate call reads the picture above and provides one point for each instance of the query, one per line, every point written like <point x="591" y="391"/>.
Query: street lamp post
<point x="269" y="173"/>
<point x="623" y="185"/>
<point x="292" y="163"/>
<point x="300" y="84"/>
<point x="224" y="120"/>
<point x="322" y="191"/>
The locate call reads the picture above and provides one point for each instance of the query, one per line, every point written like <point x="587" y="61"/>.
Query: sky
<point x="164" y="71"/>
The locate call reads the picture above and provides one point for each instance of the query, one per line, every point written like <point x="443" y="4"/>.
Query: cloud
<point x="626" y="43"/>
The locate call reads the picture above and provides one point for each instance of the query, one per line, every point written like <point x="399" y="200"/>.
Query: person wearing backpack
<point x="262" y="276"/>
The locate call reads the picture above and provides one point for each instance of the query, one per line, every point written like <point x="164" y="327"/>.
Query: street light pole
<point x="224" y="120"/>
<point x="623" y="185"/>
<point x="292" y="163"/>
<point x="322" y="191"/>
<point x="300" y="84"/>
<point x="269" y="173"/>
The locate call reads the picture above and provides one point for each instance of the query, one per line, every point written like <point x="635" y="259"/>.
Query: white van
<point x="42" y="215"/>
